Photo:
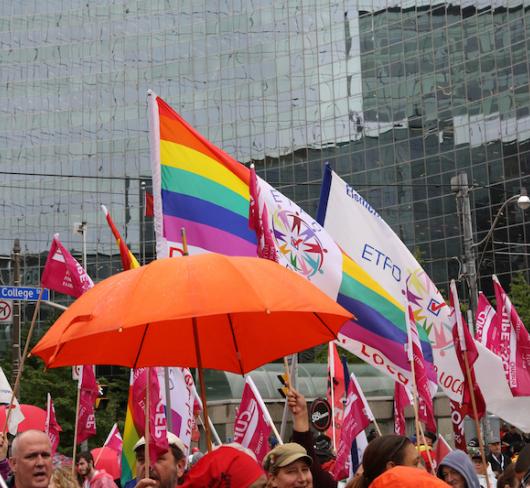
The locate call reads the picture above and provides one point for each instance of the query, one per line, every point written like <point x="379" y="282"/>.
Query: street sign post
<point x="25" y="293"/>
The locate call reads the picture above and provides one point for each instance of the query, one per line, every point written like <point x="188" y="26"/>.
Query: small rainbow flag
<point x="130" y="438"/>
<point x="198" y="187"/>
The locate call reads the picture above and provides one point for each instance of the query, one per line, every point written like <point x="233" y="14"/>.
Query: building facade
<point x="397" y="96"/>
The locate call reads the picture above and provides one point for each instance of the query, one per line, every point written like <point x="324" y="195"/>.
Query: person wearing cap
<point x="288" y="466"/>
<point x="227" y="466"/>
<point x="324" y="453"/>
<point x="480" y="469"/>
<point x="497" y="459"/>
<point x="168" y="469"/>
<point x="303" y="436"/>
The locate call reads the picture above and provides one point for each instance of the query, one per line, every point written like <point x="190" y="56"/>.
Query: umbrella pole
<point x="202" y="386"/>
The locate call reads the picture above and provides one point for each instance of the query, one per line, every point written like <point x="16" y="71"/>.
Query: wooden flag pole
<point x="146" y="433"/>
<point x="427" y="450"/>
<point x="74" y="449"/>
<point x="475" y="418"/>
<point x="22" y="361"/>
<point x="199" y="359"/>
<point x="331" y="361"/>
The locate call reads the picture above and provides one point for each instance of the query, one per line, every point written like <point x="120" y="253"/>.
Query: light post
<point x="459" y="185"/>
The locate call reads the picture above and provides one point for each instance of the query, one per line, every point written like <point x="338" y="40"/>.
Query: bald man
<point x="31" y="460"/>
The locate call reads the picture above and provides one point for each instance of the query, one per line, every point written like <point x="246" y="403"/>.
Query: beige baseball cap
<point x="172" y="440"/>
<point x="284" y="455"/>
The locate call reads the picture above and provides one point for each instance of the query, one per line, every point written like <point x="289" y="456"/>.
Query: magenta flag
<point x="425" y="404"/>
<point x="465" y="348"/>
<point x="258" y="220"/>
<point x="457" y="419"/>
<point x="86" y="423"/>
<point x="511" y="343"/>
<point x="157" y="416"/>
<point x="63" y="273"/>
<point x="401" y="400"/>
<point x="52" y="427"/>
<point x="114" y="440"/>
<point x="252" y="425"/>
<point x="486" y="331"/>
<point x="357" y="416"/>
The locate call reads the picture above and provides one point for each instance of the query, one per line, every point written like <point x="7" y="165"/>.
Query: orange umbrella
<point x="247" y="312"/>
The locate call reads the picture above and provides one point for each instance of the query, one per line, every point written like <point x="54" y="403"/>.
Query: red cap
<point x="224" y="467"/>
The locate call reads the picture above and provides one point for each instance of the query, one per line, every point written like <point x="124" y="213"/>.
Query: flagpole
<point x="199" y="358"/>
<point x="146" y="431"/>
<point x="23" y="360"/>
<point x="475" y="416"/>
<point x="429" y="457"/>
<point x="74" y="450"/>
<point x="331" y="359"/>
<point x="285" y="405"/>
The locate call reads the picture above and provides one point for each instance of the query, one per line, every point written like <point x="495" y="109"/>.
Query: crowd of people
<point x="388" y="461"/>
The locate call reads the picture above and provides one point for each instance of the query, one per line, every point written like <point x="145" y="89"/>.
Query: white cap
<point x="172" y="440"/>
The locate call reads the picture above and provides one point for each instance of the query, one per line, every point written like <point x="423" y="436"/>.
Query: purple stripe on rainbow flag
<point x="394" y="351"/>
<point x="207" y="237"/>
<point x="200" y="211"/>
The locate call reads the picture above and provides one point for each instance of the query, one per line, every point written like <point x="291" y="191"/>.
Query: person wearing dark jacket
<point x="303" y="436"/>
<point x="497" y="459"/>
<point x="457" y="470"/>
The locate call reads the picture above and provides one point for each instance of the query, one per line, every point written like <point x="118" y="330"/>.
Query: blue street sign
<point x="23" y="293"/>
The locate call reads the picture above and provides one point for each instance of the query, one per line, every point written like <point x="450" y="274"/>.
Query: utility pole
<point x="459" y="185"/>
<point x="15" y="335"/>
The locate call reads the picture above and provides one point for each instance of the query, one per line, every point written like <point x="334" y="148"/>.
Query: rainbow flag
<point x="130" y="438"/>
<point x="196" y="187"/>
<point x="201" y="188"/>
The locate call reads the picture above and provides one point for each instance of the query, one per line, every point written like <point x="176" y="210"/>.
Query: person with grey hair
<point x="31" y="460"/>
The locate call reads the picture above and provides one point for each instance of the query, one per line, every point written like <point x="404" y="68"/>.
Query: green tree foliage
<point x="37" y="382"/>
<point x="520" y="297"/>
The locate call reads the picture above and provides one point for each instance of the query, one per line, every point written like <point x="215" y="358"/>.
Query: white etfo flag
<point x="5" y="397"/>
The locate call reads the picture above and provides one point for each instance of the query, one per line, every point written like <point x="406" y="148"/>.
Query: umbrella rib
<point x="325" y="325"/>
<point x="140" y="346"/>
<point x="238" y="354"/>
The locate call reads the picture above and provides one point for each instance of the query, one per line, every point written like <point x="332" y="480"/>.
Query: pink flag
<point x="357" y="416"/>
<point x="63" y="273"/>
<point x="252" y="425"/>
<point x="335" y="382"/>
<point x="401" y="400"/>
<point x="157" y="417"/>
<point x="511" y="343"/>
<point x="86" y="423"/>
<point x="415" y="354"/>
<point x="457" y="419"/>
<point x="114" y="440"/>
<point x="485" y="322"/>
<point x="441" y="450"/>
<point x="258" y="220"/>
<point x="52" y="427"/>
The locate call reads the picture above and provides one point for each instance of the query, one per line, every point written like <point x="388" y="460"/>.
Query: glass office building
<point x="398" y="97"/>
